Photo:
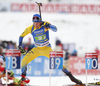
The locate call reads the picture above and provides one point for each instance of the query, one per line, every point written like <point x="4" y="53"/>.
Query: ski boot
<point x="23" y="77"/>
<point x="24" y="69"/>
<point x="24" y="80"/>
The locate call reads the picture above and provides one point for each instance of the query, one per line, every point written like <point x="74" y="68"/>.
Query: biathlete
<point x="40" y="32"/>
<point x="10" y="76"/>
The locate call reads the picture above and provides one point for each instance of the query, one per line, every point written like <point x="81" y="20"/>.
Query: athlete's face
<point x="37" y="24"/>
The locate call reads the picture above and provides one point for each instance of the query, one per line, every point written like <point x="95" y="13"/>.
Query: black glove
<point x="45" y="24"/>
<point x="22" y="50"/>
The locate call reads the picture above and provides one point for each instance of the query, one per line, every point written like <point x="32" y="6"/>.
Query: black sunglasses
<point x="36" y="18"/>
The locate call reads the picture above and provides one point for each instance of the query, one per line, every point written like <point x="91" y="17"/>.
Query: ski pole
<point x="39" y="4"/>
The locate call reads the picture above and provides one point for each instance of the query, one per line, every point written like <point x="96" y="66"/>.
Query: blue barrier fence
<point x="39" y="67"/>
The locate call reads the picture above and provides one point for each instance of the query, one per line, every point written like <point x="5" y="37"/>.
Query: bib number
<point x="41" y="37"/>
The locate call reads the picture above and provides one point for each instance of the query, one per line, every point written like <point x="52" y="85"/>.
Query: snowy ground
<point x="83" y="30"/>
<point x="58" y="81"/>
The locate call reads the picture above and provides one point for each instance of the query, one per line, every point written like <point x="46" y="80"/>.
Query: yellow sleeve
<point x="26" y="31"/>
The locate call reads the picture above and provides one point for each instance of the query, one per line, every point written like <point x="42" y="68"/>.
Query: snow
<point x="81" y="29"/>
<point x="59" y="81"/>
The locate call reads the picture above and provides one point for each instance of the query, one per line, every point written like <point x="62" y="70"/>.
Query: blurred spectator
<point x="29" y="44"/>
<point x="4" y="44"/>
<point x="97" y="50"/>
<point x="74" y="53"/>
<point x="66" y="59"/>
<point x="58" y="41"/>
<point x="14" y="44"/>
<point x="1" y="53"/>
<point x="7" y="45"/>
<point x="59" y="45"/>
<point x="67" y="55"/>
<point x="10" y="45"/>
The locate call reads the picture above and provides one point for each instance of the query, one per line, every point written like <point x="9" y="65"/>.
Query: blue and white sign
<point x="13" y="60"/>
<point x="13" y="63"/>
<point x="56" y="63"/>
<point x="56" y="60"/>
<point x="91" y="61"/>
<point x="9" y="62"/>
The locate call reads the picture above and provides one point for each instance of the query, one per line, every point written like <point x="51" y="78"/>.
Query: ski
<point x="88" y="84"/>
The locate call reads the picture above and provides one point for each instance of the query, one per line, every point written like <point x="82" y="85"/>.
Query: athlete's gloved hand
<point x="22" y="50"/>
<point x="46" y="24"/>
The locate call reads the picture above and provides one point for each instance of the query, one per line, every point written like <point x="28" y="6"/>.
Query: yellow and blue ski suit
<point x="42" y="46"/>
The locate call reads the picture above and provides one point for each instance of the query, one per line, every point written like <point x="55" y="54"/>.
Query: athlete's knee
<point x="64" y="67"/>
<point x="23" y="65"/>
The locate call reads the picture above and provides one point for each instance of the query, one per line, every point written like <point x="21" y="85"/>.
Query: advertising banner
<point x="57" y="7"/>
<point x="39" y="67"/>
<point x="77" y="66"/>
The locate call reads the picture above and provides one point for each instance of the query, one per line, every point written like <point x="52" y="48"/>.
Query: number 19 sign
<point x="13" y="59"/>
<point x="91" y="60"/>
<point x="56" y="60"/>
